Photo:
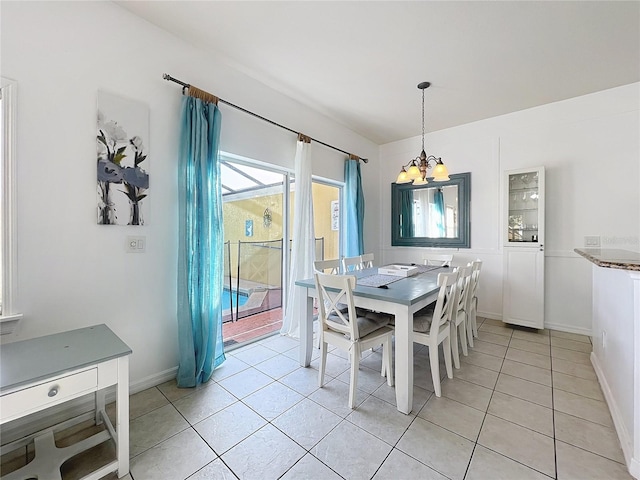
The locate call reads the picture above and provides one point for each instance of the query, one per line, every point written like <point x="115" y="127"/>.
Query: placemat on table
<point x="426" y="268"/>
<point x="377" y="280"/>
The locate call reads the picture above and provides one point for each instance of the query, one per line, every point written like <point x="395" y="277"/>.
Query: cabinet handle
<point x="53" y="391"/>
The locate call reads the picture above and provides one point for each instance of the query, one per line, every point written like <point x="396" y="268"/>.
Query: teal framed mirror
<point x="433" y="215"/>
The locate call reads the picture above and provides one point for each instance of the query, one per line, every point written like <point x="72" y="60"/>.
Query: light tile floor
<point x="523" y="405"/>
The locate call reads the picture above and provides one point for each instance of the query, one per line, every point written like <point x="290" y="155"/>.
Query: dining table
<point x="401" y="297"/>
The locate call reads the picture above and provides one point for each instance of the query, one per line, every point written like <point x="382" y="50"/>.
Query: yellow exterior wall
<point x="261" y="267"/>
<point x="323" y="195"/>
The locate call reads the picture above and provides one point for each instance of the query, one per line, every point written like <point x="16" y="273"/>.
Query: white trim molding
<point x="9" y="317"/>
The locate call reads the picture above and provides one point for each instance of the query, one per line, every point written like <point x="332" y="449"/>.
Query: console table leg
<point x="122" y="417"/>
<point x="100" y="406"/>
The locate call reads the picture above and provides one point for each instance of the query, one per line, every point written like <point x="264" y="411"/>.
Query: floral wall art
<point x="123" y="163"/>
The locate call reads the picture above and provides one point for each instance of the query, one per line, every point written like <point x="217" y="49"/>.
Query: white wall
<point x="578" y="141"/>
<point x="72" y="272"/>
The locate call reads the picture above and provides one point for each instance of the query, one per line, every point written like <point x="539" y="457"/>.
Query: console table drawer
<point x="46" y="394"/>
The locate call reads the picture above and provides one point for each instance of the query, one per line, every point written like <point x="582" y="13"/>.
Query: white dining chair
<point x="351" y="264"/>
<point x="433" y="259"/>
<point x="433" y="327"/>
<point x="459" y="316"/>
<point x="472" y="301"/>
<point x="349" y="331"/>
<point x="327" y="266"/>
<point x="366" y="260"/>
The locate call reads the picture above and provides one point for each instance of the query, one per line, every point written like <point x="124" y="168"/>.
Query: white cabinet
<point x="523" y="247"/>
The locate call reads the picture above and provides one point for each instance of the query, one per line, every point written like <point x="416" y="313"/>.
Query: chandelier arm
<point x="413" y="161"/>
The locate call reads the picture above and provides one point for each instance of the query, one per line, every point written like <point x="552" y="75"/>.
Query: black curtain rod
<point x="220" y="100"/>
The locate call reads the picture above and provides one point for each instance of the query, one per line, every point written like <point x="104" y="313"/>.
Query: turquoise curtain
<point x="438" y="200"/>
<point x="406" y="209"/>
<point x="201" y="248"/>
<point x="353" y="235"/>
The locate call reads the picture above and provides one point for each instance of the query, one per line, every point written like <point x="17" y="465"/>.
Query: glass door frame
<point x="289" y="179"/>
<point x="286" y="201"/>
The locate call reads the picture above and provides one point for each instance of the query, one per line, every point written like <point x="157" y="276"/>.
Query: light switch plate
<point x="136" y="244"/>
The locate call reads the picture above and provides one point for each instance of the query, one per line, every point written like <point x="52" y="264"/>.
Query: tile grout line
<point x="553" y="414"/>
<point x="395" y="445"/>
<point x="486" y="412"/>
<point x="342" y="420"/>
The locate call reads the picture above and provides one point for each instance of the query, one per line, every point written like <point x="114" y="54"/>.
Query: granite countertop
<point x="611" y="258"/>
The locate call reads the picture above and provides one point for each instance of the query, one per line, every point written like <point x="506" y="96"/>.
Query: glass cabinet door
<point x="524" y="206"/>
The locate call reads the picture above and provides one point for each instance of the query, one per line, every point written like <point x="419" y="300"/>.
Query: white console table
<point x="42" y="372"/>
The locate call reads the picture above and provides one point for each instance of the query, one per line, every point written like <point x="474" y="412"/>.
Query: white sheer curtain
<point x="303" y="247"/>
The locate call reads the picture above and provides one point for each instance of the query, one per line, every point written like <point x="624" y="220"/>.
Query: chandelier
<point x="417" y="171"/>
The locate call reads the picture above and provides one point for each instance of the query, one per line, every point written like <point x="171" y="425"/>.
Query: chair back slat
<point x="475" y="276"/>
<point x="464" y="280"/>
<point x="448" y="283"/>
<point x="432" y="259"/>
<point x="327" y="266"/>
<point x="351" y="264"/>
<point x="367" y="260"/>
<point x="472" y="297"/>
<point x="335" y="291"/>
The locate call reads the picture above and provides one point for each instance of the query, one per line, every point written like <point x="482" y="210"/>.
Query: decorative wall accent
<point x="266" y="218"/>
<point x="122" y="158"/>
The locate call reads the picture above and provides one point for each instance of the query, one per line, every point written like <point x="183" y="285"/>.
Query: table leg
<point x="404" y="362"/>
<point x="306" y="329"/>
<point x="122" y="417"/>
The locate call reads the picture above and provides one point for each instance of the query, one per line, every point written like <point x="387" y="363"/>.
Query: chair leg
<point x="323" y="362"/>
<point x="463" y="337"/>
<point x="435" y="368"/>
<point x="355" y="365"/>
<point x="446" y="347"/>
<point x="469" y="323"/>
<point x="474" y="323"/>
<point x="454" y="345"/>
<point x="387" y="359"/>
<point x="318" y="322"/>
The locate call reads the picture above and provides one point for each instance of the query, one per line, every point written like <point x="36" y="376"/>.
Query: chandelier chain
<point x="423" y="119"/>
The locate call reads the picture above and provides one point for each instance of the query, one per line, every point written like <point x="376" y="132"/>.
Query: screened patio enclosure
<point x="257" y="215"/>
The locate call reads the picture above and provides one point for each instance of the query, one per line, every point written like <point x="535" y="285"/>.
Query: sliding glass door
<point x="253" y="206"/>
<point x="258" y="202"/>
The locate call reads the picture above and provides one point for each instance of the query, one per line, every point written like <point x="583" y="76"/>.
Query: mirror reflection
<point x="436" y="214"/>
<point x="433" y="211"/>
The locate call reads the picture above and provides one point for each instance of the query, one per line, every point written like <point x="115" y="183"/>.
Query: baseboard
<point x="491" y="315"/>
<point x="568" y="328"/>
<point x="634" y="468"/>
<point x="623" y="435"/>
<point x="152" y="380"/>
<point x="551" y="326"/>
<point x="73" y="408"/>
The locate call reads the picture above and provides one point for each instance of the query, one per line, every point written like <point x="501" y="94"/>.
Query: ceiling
<point x="359" y="62"/>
